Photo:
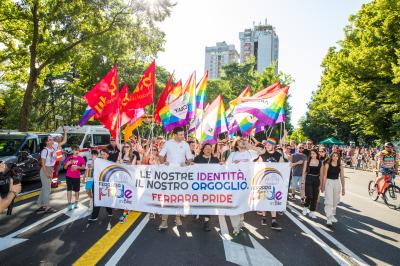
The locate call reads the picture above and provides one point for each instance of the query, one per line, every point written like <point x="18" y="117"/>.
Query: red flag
<point x="144" y="92"/>
<point x="162" y="101"/>
<point x="103" y="97"/>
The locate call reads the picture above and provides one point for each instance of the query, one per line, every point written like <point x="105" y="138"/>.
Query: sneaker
<point x="163" y="226"/>
<point x="305" y="211"/>
<point x="236" y="232"/>
<point x="328" y="222"/>
<point x="312" y="215"/>
<point x="76" y="205"/>
<point x="333" y="219"/>
<point x="263" y="221"/>
<point x="178" y="221"/>
<point x="122" y="219"/>
<point x="275" y="226"/>
<point x="152" y="216"/>
<point x="206" y="226"/>
<point x="69" y="206"/>
<point x="91" y="220"/>
<point x="280" y="213"/>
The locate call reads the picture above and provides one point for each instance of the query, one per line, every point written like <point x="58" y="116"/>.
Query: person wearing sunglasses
<point x="129" y="157"/>
<point x="388" y="160"/>
<point x="322" y="154"/>
<point x="298" y="162"/>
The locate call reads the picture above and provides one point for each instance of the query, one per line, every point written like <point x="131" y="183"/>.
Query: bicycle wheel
<point x="373" y="190"/>
<point x="391" y="197"/>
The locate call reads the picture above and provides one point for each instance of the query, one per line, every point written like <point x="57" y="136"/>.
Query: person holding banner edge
<point x="273" y="156"/>
<point x="206" y="157"/>
<point x="243" y="152"/>
<point x="175" y="152"/>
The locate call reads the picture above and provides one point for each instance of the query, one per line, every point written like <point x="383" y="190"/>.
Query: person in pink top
<point x="74" y="164"/>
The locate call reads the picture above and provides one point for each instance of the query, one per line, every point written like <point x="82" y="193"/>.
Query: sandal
<point x="50" y="210"/>
<point x="41" y="209"/>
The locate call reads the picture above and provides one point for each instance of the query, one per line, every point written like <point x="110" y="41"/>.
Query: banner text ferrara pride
<point x="196" y="189"/>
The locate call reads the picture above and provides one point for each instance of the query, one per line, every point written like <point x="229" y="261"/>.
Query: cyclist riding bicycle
<point x="387" y="161"/>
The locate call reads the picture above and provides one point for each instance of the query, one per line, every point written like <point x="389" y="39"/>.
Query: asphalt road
<point x="367" y="233"/>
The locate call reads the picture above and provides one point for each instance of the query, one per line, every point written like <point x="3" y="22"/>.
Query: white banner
<point x="208" y="189"/>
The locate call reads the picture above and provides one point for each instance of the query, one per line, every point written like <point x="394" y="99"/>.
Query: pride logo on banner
<point x="109" y="171"/>
<point x="267" y="176"/>
<point x="265" y="185"/>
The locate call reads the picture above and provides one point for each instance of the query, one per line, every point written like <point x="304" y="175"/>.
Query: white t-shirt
<point x="49" y="154"/>
<point x="242" y="156"/>
<point x="177" y="152"/>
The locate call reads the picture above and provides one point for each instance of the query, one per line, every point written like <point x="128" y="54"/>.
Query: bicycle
<point x="385" y="187"/>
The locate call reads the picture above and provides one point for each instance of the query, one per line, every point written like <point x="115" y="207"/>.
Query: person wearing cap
<point x="387" y="160"/>
<point x="272" y="156"/>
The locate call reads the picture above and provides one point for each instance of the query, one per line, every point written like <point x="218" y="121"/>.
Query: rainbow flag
<point x="175" y="92"/>
<point x="245" y="93"/>
<point x="213" y="122"/>
<point x="174" y="114"/>
<point x="190" y="90"/>
<point x="200" y="102"/>
<point x="201" y="92"/>
<point x="281" y="117"/>
<point x="245" y="123"/>
<point x="266" y="110"/>
<point x="88" y="115"/>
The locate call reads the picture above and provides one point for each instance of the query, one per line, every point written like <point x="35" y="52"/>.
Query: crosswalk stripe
<point x="96" y="252"/>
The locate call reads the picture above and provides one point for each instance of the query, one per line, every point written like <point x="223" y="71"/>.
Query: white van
<point x="86" y="137"/>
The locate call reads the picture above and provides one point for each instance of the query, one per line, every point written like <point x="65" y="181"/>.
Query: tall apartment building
<point x="262" y="42"/>
<point x="218" y="56"/>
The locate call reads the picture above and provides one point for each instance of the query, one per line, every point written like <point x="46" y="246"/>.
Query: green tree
<point x="360" y="88"/>
<point x="43" y="37"/>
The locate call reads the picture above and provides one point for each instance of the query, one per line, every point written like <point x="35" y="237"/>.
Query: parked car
<point x="21" y="148"/>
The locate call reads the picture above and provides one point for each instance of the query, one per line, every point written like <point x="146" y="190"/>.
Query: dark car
<point x="23" y="149"/>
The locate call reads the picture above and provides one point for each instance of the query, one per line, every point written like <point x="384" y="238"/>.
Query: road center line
<point x="128" y="242"/>
<point x="96" y="252"/>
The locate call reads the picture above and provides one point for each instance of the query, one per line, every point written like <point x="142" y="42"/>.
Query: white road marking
<point x="321" y="229"/>
<point x="333" y="253"/>
<point x="128" y="242"/>
<point x="244" y="255"/>
<point x="74" y="215"/>
<point x="10" y="240"/>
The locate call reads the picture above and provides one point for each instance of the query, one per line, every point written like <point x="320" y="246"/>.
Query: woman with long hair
<point x="311" y="183"/>
<point x="206" y="157"/>
<point x="129" y="157"/>
<point x="332" y="186"/>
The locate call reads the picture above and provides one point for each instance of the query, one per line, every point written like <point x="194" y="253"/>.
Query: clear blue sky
<point x="306" y="30"/>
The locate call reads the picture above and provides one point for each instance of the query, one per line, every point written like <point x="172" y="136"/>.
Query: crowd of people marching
<point x="315" y="169"/>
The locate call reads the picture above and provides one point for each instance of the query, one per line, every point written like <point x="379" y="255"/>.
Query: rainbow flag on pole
<point x="265" y="110"/>
<point x="190" y="90"/>
<point x="213" y="123"/>
<point x="174" y="114"/>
